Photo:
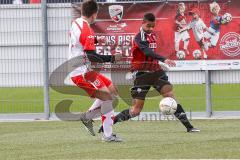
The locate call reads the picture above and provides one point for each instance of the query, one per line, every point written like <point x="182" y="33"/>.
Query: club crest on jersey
<point x="116" y="12"/>
<point x="153" y="45"/>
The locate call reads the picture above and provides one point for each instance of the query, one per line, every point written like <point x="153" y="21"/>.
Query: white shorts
<point x="213" y="38"/>
<point x="181" y="36"/>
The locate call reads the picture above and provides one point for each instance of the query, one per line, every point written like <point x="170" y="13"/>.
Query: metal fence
<point x="34" y="42"/>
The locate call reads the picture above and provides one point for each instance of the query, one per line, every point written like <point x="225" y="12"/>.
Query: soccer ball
<point x="226" y="18"/>
<point x="197" y="54"/>
<point x="181" y="55"/>
<point x="168" y="106"/>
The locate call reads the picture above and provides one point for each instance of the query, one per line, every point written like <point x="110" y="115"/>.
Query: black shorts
<point x="145" y="80"/>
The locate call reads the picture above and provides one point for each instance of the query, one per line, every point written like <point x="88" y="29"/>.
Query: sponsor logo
<point x="192" y="63"/>
<point x="224" y="64"/>
<point x="139" y="90"/>
<point x="116" y="12"/>
<point x="180" y="63"/>
<point x="220" y="64"/>
<point x="117" y="27"/>
<point x="96" y="83"/>
<point x="235" y="63"/>
<point x="212" y="64"/>
<point x="230" y="44"/>
<point x="153" y="45"/>
<point x="187" y="63"/>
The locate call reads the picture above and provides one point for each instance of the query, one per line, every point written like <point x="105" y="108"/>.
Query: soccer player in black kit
<point x="145" y="64"/>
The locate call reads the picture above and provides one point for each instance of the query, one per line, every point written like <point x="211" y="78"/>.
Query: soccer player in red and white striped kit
<point x="82" y="47"/>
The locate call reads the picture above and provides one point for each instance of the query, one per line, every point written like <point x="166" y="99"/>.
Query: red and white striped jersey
<point x="81" y="40"/>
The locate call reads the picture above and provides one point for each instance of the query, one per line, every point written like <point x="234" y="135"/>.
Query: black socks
<point x="181" y="115"/>
<point x="122" y="116"/>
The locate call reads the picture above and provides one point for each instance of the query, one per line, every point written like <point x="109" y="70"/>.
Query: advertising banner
<point x="210" y="41"/>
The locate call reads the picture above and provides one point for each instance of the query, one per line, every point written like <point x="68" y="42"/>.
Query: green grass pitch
<point x="192" y="97"/>
<point x="224" y="97"/>
<point x="142" y="140"/>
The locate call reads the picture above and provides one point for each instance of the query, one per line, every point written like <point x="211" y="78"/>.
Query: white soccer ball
<point x="197" y="54"/>
<point x="226" y="18"/>
<point x="181" y="55"/>
<point x="168" y="106"/>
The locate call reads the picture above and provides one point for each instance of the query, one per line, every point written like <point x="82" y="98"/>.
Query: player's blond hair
<point x="214" y="5"/>
<point x="181" y="5"/>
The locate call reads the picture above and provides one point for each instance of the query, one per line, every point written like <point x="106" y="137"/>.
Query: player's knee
<point x="111" y="96"/>
<point x="104" y="96"/>
<point x="166" y="89"/>
<point x="107" y="97"/>
<point x="168" y="94"/>
<point x="136" y="110"/>
<point x="113" y="90"/>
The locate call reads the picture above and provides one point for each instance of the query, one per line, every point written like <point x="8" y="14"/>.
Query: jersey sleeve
<point x="75" y="33"/>
<point x="94" y="57"/>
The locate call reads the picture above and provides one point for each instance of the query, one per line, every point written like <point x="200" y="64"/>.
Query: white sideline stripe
<point x="144" y="116"/>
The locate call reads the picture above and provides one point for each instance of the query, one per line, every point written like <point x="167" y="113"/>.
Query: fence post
<point x="208" y="93"/>
<point x="45" y="59"/>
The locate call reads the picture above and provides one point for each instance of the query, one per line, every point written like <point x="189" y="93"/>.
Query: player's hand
<point x="170" y="62"/>
<point x="179" y="30"/>
<point x="118" y="56"/>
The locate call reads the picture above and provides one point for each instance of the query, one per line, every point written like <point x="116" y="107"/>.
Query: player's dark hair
<point x="89" y="7"/>
<point x="149" y="17"/>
